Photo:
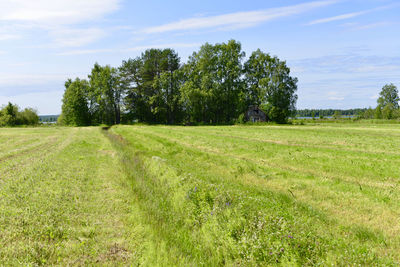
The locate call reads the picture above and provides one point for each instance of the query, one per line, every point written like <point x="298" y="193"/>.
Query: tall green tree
<point x="230" y="88"/>
<point x="197" y="91"/>
<point x="105" y="95"/>
<point x="269" y="84"/>
<point x="131" y="81"/>
<point x="75" y="111"/>
<point x="168" y="96"/>
<point x="8" y="115"/>
<point x="389" y="95"/>
<point x="150" y="83"/>
<point x="213" y="89"/>
<point x="156" y="62"/>
<point x="11" y="111"/>
<point x="388" y="103"/>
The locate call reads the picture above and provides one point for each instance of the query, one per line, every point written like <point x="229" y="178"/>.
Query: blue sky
<point x="342" y="52"/>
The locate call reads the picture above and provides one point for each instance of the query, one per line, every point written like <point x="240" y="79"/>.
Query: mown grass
<point x="301" y="195"/>
<point x="63" y="200"/>
<point x="289" y="195"/>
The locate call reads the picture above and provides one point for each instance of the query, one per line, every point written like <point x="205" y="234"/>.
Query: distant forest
<point x="48" y="118"/>
<point x="318" y="113"/>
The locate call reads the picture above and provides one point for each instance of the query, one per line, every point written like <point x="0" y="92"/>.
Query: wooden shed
<point x="255" y="114"/>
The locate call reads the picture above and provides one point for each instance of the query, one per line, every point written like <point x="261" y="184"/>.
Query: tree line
<point x="48" y="118"/>
<point x="322" y="113"/>
<point x="215" y="86"/>
<point x="11" y="115"/>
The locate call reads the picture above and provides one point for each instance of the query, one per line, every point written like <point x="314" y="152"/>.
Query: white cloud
<point x="334" y="95"/>
<point x="237" y="20"/>
<point x="340" y="17"/>
<point x="374" y="97"/>
<point x="161" y="46"/>
<point x="349" y="15"/>
<point x="5" y="37"/>
<point x="336" y="98"/>
<point x="85" y="52"/>
<point x="357" y="26"/>
<point x="376" y="68"/>
<point x="19" y="18"/>
<point x="8" y="79"/>
<point x="130" y="49"/>
<point x="350" y="63"/>
<point x="76" y="37"/>
<point x="55" y="11"/>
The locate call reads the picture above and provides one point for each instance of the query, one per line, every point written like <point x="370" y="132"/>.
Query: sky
<point x="341" y="51"/>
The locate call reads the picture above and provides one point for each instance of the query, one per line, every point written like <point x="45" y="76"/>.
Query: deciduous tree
<point x="268" y="83"/>
<point x="213" y="91"/>
<point x="105" y="95"/>
<point x="75" y="109"/>
<point x="389" y="95"/>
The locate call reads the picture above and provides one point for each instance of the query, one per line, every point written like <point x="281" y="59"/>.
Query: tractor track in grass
<point x="17" y="144"/>
<point x="28" y="150"/>
<point x="12" y="163"/>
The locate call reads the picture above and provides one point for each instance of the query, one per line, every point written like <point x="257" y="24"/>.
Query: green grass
<point x="63" y="200"/>
<point x="316" y="194"/>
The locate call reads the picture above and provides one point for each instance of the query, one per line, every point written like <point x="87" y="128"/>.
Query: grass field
<point x="223" y="195"/>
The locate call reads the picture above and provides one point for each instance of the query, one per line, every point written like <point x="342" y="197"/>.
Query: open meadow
<point x="320" y="194"/>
